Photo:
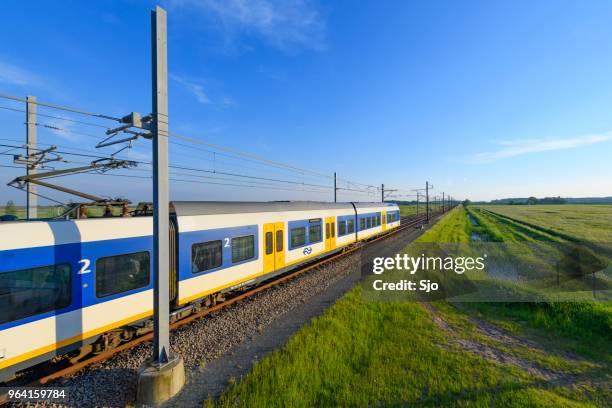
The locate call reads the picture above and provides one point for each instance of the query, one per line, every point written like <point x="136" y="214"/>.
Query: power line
<point x="242" y="155"/>
<point x="229" y="152"/>
<point x="209" y="182"/>
<point x="245" y="154"/>
<point x="56" y="117"/>
<point x="64" y="108"/>
<point x="193" y="169"/>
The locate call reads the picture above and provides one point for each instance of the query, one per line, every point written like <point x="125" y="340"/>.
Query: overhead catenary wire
<point x="64" y="108"/>
<point x="244" y="155"/>
<point x="80" y="122"/>
<point x="204" y="170"/>
<point x="197" y="170"/>
<point x="207" y="182"/>
<point x="194" y="144"/>
<point x="54" y="127"/>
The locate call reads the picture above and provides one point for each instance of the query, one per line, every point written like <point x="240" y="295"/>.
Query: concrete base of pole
<point x="157" y="384"/>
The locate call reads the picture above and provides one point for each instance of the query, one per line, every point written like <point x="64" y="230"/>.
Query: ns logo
<point x="307" y="251"/>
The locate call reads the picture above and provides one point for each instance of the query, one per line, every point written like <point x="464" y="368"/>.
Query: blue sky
<point x="484" y="99"/>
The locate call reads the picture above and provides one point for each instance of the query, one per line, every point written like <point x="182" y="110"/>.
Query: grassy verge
<point x="378" y="354"/>
<point x="454" y="228"/>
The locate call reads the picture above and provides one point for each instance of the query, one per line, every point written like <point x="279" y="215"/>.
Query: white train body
<point x="64" y="284"/>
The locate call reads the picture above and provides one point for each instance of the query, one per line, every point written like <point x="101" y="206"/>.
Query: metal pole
<point x="32" y="198"/>
<point x="427" y="199"/>
<point x="161" y="242"/>
<point x="443" y="202"/>
<point x="335" y="189"/>
<point x="382" y="193"/>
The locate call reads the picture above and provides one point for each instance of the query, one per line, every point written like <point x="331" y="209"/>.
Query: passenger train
<point x="73" y="287"/>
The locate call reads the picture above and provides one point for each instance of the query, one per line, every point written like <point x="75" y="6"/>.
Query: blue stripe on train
<point x="366" y="216"/>
<point x="83" y="285"/>
<point x="187" y="239"/>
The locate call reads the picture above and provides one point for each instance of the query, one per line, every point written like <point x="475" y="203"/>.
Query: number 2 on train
<point x="84" y="266"/>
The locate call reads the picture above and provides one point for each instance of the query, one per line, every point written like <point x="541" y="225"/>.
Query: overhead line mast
<point x="32" y="198"/>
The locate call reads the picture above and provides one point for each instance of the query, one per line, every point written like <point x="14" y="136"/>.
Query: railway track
<point x="61" y="370"/>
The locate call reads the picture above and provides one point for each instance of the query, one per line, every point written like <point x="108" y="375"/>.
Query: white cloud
<point x="522" y="147"/>
<point x="196" y="89"/>
<point x="285" y="24"/>
<point x="13" y="75"/>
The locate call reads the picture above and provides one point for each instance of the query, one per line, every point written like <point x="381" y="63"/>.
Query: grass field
<point x="583" y="222"/>
<point x="586" y="327"/>
<point x="411" y="354"/>
<point x="406" y="210"/>
<point x="43" y="212"/>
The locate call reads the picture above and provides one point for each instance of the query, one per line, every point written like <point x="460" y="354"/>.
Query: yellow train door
<point x="330" y="233"/>
<point x="384" y="220"/>
<point x="268" y="233"/>
<point x="274" y="246"/>
<point x="279" y="245"/>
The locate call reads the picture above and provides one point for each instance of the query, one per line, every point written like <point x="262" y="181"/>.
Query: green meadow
<point x="406" y="210"/>
<point x="591" y="223"/>
<point x="361" y="353"/>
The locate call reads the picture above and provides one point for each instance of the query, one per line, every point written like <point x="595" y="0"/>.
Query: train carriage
<point x="84" y="285"/>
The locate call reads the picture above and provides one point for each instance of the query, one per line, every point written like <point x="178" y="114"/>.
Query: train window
<point x="279" y="241"/>
<point x="314" y="232"/>
<point x="341" y="228"/>
<point x="32" y="291"/>
<point x="243" y="248"/>
<point x="373" y="221"/>
<point x="333" y="229"/>
<point x="350" y="226"/>
<point x="298" y="237"/>
<point x="368" y="222"/>
<point x="122" y="273"/>
<point x="378" y="219"/>
<point x="327" y="230"/>
<point x="269" y="243"/>
<point x="205" y="256"/>
<point x="362" y="224"/>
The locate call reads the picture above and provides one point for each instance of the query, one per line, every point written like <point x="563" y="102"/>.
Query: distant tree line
<point x="531" y="201"/>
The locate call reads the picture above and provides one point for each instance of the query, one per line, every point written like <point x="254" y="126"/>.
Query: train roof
<point x="186" y="208"/>
<point x="375" y="205"/>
